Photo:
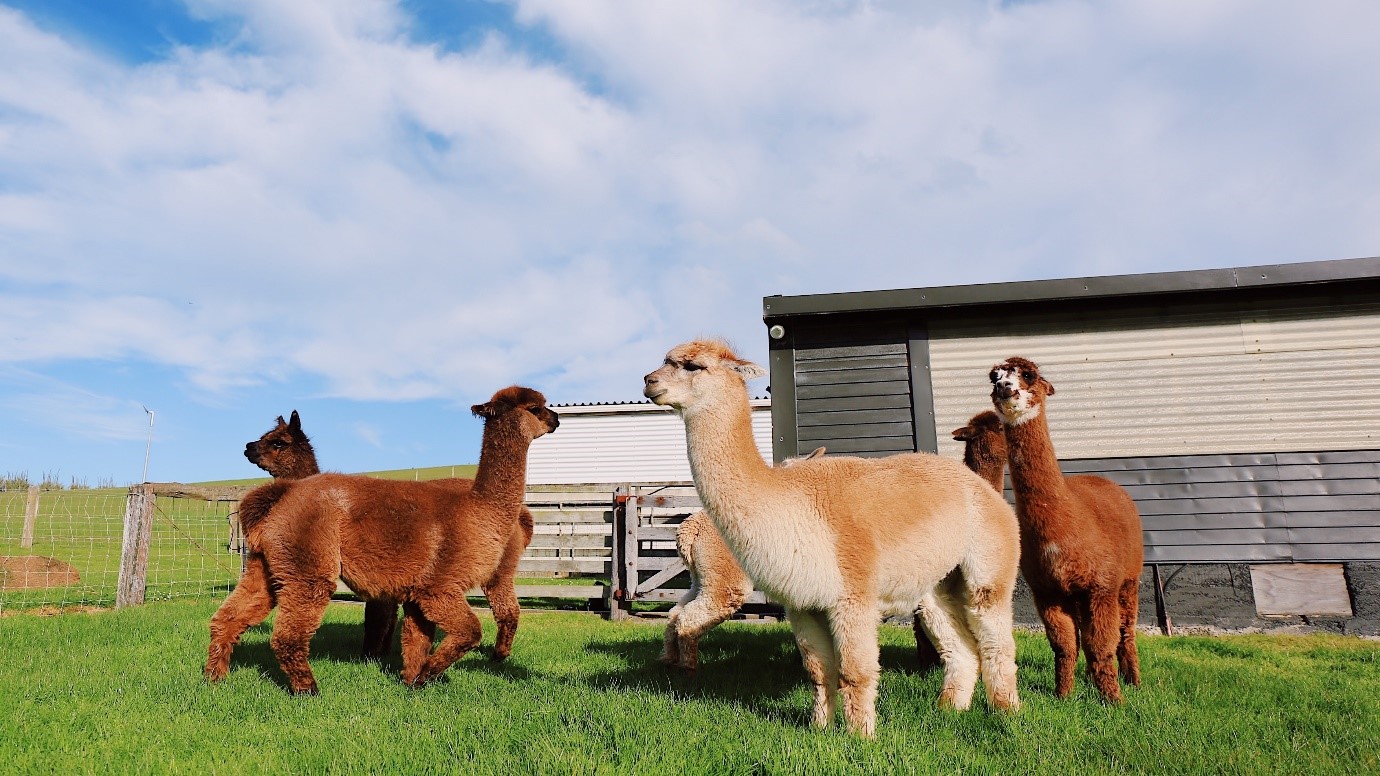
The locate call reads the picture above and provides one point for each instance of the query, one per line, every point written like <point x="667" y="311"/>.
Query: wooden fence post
<point x="30" y="517"/>
<point x="134" y="551"/>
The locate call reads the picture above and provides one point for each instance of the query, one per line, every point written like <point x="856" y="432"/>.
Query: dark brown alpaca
<point x="285" y="452"/>
<point x="1081" y="544"/>
<point x="984" y="451"/>
<point x="424" y="544"/>
<point x="984" y="447"/>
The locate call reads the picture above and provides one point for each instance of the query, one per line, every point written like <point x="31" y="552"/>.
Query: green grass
<point x="122" y="692"/>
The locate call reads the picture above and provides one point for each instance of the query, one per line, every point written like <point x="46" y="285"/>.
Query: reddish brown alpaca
<point x="422" y="543"/>
<point x="1081" y="545"/>
<point x="984" y="451"/>
<point x="285" y="452"/>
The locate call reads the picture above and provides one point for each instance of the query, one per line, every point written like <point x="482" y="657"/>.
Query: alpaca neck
<point x="988" y="467"/>
<point x="307" y="469"/>
<point x="502" y="474"/>
<point x="724" y="459"/>
<point x="1035" y="474"/>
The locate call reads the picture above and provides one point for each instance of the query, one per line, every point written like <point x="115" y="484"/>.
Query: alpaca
<point x="984" y="447"/>
<point x="422" y="543"/>
<point x="1081" y="538"/>
<point x="838" y="539"/>
<point x="285" y="451"/>
<point x="718" y="587"/>
<point x="984" y="451"/>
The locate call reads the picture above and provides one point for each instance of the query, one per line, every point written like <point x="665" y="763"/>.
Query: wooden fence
<point x="619" y="542"/>
<point x="645" y="563"/>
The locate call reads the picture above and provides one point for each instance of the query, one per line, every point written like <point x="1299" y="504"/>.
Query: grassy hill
<point x="425" y="473"/>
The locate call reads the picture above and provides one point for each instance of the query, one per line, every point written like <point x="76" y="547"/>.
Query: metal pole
<point x="148" y="445"/>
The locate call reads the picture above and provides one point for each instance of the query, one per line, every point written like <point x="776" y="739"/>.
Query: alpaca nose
<point x="649" y="378"/>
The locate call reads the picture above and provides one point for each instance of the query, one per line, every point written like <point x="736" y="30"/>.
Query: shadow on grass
<point x="756" y="667"/>
<point x="343" y="643"/>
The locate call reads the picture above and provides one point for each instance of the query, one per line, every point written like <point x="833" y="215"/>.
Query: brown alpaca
<point x="285" y="452"/>
<point x="422" y="543"/>
<point x="984" y="451"/>
<point x="718" y="586"/>
<point x="1081" y="544"/>
<point x="984" y="447"/>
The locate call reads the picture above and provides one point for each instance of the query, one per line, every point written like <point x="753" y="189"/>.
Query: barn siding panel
<point x="852" y="389"/>
<point x="613" y="444"/>
<point x="1186" y="379"/>
<point x="1316" y="506"/>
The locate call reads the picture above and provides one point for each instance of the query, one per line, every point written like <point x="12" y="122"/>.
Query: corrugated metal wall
<point x="852" y="388"/>
<point x="1256" y="507"/>
<point x="1182" y="380"/>
<point x="629" y="443"/>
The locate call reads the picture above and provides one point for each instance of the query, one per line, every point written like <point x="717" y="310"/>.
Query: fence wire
<point x="65" y="554"/>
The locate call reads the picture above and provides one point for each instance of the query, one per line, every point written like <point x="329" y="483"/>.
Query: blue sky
<point x="378" y="213"/>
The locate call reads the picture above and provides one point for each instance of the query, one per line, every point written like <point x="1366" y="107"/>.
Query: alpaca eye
<point x="1029" y="377"/>
<point x="690" y="366"/>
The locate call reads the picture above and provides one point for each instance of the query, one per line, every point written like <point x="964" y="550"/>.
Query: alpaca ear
<point x="281" y="422"/>
<point x="747" y="369"/>
<point x="961" y="434"/>
<point x="1049" y="387"/>
<point x="485" y="410"/>
<point x="295" y="424"/>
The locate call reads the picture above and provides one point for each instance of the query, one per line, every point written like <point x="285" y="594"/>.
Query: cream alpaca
<point x="718" y="586"/>
<point x="838" y="539"/>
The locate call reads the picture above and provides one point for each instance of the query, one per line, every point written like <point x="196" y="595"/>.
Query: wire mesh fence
<point x="62" y="549"/>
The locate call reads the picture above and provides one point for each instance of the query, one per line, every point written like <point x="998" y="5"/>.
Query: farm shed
<point x="1234" y="404"/>
<point x="618" y="443"/>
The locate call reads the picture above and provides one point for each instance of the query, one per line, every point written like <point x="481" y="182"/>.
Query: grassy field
<point x="188" y="547"/>
<point x="122" y="692"/>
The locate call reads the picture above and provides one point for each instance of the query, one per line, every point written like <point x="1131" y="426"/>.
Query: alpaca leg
<point x="417" y="635"/>
<point x="925" y="650"/>
<point x="924" y="645"/>
<point x="380" y="620"/>
<point x="503" y="602"/>
<point x="301" y="607"/>
<point x="452" y="613"/>
<point x="705" y="613"/>
<point x="1101" y="632"/>
<point x="1057" y="615"/>
<point x="944" y="621"/>
<point x="1126" y="656"/>
<point x="991" y="624"/>
<point x="246" y="606"/>
<point x="817" y="653"/>
<point x="855" y="638"/>
<point x="670" y="648"/>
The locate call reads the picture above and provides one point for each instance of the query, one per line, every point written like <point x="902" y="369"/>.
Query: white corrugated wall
<point x="1170" y="381"/>
<point x="623" y="443"/>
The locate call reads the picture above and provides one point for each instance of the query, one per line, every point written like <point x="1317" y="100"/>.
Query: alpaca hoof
<point x="306" y="689"/>
<point x="948" y="699"/>
<point x="214" y="674"/>
<point x="498" y="657"/>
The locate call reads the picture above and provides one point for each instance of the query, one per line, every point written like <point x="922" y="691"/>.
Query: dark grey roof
<point x="1075" y="288"/>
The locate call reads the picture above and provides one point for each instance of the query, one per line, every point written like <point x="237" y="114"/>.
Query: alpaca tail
<point x="257" y="503"/>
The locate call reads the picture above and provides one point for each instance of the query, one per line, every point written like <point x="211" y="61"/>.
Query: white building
<point x="632" y="442"/>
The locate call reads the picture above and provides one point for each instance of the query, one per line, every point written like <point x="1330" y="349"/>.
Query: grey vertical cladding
<point x="853" y="387"/>
<point x="1259" y="507"/>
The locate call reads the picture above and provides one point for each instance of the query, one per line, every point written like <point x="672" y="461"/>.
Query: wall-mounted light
<point x="776" y="332"/>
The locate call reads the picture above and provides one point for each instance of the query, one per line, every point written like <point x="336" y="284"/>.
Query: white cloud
<point x="320" y="196"/>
